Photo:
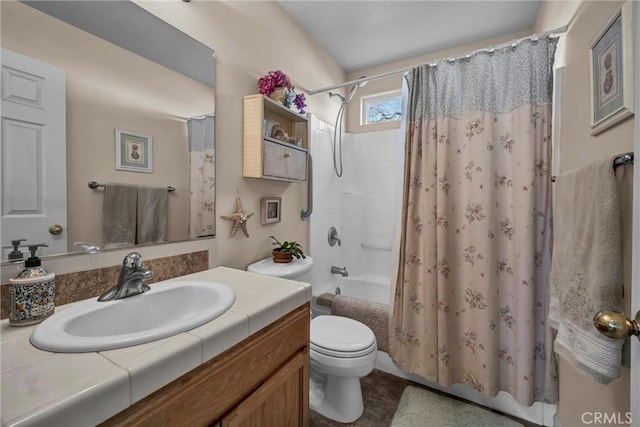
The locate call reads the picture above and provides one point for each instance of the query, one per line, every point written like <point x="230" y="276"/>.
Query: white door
<point x="34" y="174"/>
<point x="634" y="392"/>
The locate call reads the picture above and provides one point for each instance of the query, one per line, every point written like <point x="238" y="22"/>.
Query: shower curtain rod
<point x="556" y="31"/>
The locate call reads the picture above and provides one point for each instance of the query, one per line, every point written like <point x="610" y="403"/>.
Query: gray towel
<point x="119" y="215"/>
<point x="372" y="314"/>
<point x="152" y="215"/>
<point x="586" y="270"/>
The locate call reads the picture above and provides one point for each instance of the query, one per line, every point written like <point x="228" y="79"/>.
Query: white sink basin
<point x="165" y="310"/>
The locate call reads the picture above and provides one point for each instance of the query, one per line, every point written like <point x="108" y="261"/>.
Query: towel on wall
<point x="152" y="215"/>
<point x="586" y="269"/>
<point x="372" y="314"/>
<point x="119" y="215"/>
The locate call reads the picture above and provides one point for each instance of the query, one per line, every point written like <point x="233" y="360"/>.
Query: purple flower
<point x="299" y="102"/>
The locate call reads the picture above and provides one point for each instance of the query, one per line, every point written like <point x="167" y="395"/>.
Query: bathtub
<point x="368" y="288"/>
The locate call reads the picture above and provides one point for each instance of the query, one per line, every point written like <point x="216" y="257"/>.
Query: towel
<point x="586" y="269"/>
<point x="152" y="215"/>
<point x="372" y="314"/>
<point x="119" y="215"/>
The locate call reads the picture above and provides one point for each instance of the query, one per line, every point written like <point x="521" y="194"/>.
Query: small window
<point x="385" y="107"/>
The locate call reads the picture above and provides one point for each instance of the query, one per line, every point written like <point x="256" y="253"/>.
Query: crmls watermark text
<point x="607" y="418"/>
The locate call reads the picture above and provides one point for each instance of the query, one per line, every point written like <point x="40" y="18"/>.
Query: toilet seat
<point x="341" y="337"/>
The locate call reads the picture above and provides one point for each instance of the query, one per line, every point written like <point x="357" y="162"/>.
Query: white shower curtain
<point x="397" y="213"/>
<point x="202" y="186"/>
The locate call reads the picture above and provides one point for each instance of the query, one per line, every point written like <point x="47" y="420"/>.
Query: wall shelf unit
<point x="269" y="158"/>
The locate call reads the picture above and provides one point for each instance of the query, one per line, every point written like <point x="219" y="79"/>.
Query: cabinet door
<point x="283" y="161"/>
<point x="281" y="401"/>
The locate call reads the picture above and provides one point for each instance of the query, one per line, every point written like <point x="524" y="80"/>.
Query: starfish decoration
<point x="240" y="219"/>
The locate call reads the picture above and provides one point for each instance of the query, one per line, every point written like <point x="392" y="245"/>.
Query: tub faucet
<point x="337" y="270"/>
<point x="130" y="281"/>
<point x="333" y="237"/>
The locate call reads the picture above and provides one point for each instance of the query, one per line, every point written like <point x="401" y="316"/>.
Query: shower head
<point x="351" y="93"/>
<point x="344" y="101"/>
<point x="337" y="130"/>
<point x="354" y="88"/>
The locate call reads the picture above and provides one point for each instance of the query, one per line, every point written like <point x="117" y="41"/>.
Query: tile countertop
<point x="43" y="388"/>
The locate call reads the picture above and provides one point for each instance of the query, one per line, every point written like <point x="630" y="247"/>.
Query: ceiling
<point x="361" y="34"/>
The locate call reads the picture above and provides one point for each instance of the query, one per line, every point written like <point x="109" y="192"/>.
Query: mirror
<point x="108" y="88"/>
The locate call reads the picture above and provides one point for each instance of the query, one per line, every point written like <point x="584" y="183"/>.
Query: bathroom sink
<point x="165" y="310"/>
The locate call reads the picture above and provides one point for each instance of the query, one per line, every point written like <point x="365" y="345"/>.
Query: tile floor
<point x="381" y="393"/>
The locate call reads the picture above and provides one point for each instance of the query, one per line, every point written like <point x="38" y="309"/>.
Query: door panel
<point x="33" y="156"/>
<point x="278" y="402"/>
<point x="22" y="151"/>
<point x="634" y="390"/>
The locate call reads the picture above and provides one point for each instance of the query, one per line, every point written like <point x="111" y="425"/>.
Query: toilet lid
<point x="341" y="336"/>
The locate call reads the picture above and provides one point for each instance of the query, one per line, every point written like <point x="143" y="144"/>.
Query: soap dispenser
<point x="15" y="254"/>
<point x="31" y="292"/>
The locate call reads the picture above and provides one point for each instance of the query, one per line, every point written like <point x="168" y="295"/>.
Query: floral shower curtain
<point x="469" y="303"/>
<point x="202" y="187"/>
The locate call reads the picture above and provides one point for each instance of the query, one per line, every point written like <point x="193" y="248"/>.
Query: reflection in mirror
<point x="89" y="88"/>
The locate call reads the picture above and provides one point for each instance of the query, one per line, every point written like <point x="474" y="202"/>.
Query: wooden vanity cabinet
<point x="269" y="158"/>
<point x="262" y="381"/>
<point x="278" y="402"/>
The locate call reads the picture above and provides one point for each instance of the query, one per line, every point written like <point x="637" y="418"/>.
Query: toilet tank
<point x="298" y="269"/>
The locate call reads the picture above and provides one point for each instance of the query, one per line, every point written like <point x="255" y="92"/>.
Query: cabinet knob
<point x="287" y="154"/>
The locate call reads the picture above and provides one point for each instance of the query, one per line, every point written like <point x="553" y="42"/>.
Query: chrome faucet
<point x="337" y="270"/>
<point x="89" y="248"/>
<point x="333" y="237"/>
<point x="130" y="280"/>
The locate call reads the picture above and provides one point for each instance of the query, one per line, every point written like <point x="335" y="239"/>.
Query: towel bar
<point x="625" y="159"/>
<point x="376" y="247"/>
<point x="93" y="185"/>
<point x="307" y="213"/>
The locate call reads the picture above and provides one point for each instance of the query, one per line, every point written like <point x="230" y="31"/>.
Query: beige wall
<point x="250" y="39"/>
<point x="578" y="148"/>
<point x="107" y="88"/>
<point x="555" y="13"/>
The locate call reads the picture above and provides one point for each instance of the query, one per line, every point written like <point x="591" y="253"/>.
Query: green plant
<point x="293" y="248"/>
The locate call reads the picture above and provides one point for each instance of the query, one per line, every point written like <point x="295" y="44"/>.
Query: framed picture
<point x="271" y="210"/>
<point x="134" y="151"/>
<point x="612" y="72"/>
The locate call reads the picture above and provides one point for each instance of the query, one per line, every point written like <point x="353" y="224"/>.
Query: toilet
<point x="342" y="350"/>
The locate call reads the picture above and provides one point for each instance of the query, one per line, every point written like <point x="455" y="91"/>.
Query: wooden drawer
<point x="284" y="161"/>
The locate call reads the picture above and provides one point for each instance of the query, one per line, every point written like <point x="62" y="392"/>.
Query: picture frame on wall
<point x="271" y="210"/>
<point x="612" y="71"/>
<point x="134" y="151"/>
